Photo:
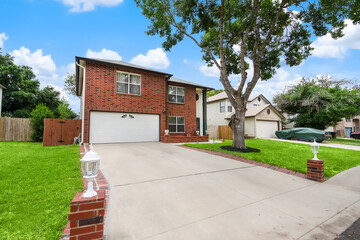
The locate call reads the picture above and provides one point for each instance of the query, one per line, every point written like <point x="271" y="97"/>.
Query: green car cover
<point x="301" y="133"/>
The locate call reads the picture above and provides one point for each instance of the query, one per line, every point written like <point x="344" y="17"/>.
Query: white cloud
<point x="42" y="65"/>
<point x="3" y="37"/>
<point x="104" y="54"/>
<point x="275" y="85"/>
<point x="46" y="71"/>
<point x="212" y="71"/>
<point x="155" y="58"/>
<point x="327" y="47"/>
<point x="89" y="5"/>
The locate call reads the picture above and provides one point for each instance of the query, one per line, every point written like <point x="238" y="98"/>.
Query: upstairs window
<point x="177" y="124"/>
<point x="128" y="83"/>
<point x="222" y="106"/>
<point x="229" y="106"/>
<point x="348" y="119"/>
<point x="176" y="94"/>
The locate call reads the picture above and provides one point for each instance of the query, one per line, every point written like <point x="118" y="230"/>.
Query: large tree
<point x="22" y="91"/>
<point x="319" y="103"/>
<point x="233" y="33"/>
<point x="70" y="84"/>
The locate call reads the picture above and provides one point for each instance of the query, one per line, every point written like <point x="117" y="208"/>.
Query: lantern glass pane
<point x="89" y="168"/>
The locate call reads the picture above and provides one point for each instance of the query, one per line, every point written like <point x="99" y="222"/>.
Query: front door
<point x="347" y="131"/>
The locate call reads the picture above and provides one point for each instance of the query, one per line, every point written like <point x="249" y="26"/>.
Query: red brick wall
<point x="187" y="109"/>
<point x="315" y="170"/>
<point x="87" y="217"/>
<point x="100" y="95"/>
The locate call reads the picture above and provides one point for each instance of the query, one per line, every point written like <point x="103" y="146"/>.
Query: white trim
<point x="129" y="73"/>
<point x="176" y="124"/>
<point x="83" y="103"/>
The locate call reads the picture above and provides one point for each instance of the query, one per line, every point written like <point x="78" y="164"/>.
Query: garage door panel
<point x="108" y="127"/>
<point x="266" y="129"/>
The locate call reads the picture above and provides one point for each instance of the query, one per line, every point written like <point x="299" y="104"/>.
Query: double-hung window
<point x="128" y="83"/>
<point x="229" y="106"/>
<point x="222" y="106"/>
<point x="177" y="124"/>
<point x="176" y="94"/>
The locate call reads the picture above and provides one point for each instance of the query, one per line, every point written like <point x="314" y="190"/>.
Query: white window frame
<point x="176" y="124"/>
<point x="128" y="83"/>
<point x="229" y="106"/>
<point x="222" y="107"/>
<point x="176" y="94"/>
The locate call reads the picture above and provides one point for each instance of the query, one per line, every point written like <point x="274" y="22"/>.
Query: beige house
<point x="347" y="126"/>
<point x="261" y="119"/>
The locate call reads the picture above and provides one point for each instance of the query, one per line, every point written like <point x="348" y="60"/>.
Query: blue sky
<point x="48" y="34"/>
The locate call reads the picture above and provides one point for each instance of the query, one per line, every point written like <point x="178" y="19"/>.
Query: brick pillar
<point x="86" y="217"/>
<point x="315" y="170"/>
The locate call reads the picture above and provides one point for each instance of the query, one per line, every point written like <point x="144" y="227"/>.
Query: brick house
<point x="123" y="102"/>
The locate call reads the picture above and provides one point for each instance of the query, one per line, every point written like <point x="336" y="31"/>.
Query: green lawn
<point x="345" y="141"/>
<point x="36" y="186"/>
<point x="292" y="156"/>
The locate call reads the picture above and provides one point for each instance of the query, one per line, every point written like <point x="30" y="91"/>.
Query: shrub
<point x="37" y="116"/>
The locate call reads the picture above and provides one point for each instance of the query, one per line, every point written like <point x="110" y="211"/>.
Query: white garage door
<point x="266" y="129"/>
<point x="108" y="127"/>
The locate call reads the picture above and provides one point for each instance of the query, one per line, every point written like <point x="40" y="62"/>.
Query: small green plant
<point x="37" y="116"/>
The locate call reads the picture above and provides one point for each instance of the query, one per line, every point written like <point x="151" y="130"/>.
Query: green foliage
<point x="64" y="111"/>
<point x="233" y="33"/>
<point x="269" y="29"/>
<point x="213" y="92"/>
<point x="37" y="121"/>
<point x="37" y="186"/>
<point x="22" y="92"/>
<point x="70" y="84"/>
<point x="319" y="103"/>
<point x="19" y="97"/>
<point x="278" y="153"/>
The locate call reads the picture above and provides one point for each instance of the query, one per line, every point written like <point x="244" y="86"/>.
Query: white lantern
<point x="315" y="149"/>
<point x="90" y="165"/>
<point x="197" y="132"/>
<point x="166" y="131"/>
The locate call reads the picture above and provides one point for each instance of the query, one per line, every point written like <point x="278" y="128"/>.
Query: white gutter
<point x="83" y="105"/>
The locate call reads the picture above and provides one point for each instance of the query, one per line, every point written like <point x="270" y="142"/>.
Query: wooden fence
<point x="225" y="132"/>
<point x="60" y="131"/>
<point x="15" y="129"/>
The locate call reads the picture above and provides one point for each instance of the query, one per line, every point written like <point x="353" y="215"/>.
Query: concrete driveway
<point x="162" y="191"/>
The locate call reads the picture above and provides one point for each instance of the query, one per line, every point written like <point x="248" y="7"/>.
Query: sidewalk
<point x="334" y="145"/>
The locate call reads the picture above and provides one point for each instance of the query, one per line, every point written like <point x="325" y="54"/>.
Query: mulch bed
<point x="247" y="150"/>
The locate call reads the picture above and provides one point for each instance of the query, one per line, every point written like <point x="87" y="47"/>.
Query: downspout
<point x="83" y="104"/>
<point x="204" y="111"/>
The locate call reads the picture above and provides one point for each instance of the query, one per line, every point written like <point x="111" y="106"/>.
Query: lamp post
<point x="315" y="149"/>
<point x="90" y="165"/>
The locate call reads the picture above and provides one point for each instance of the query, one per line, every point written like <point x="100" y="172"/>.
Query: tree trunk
<point x="237" y="125"/>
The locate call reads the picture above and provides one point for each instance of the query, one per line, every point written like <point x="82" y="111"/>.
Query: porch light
<point x="90" y="165"/>
<point x="166" y="131"/>
<point x="315" y="149"/>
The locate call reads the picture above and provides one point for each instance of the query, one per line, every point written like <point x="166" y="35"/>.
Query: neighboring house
<point x="347" y="126"/>
<point x="122" y="102"/>
<point x="261" y="118"/>
<point x="1" y="89"/>
<point x="343" y="128"/>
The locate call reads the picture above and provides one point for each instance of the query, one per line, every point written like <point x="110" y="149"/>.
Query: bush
<point x="37" y="116"/>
